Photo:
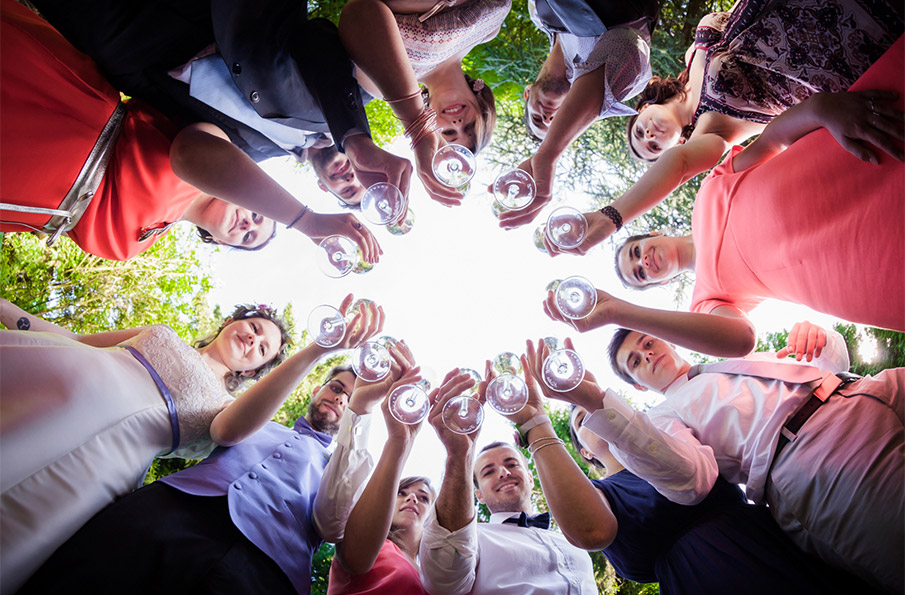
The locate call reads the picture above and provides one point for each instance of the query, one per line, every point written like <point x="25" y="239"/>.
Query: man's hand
<point x="603" y="313"/>
<point x="587" y="394"/>
<point x="600" y="227"/>
<point x="454" y="384"/>
<point x="318" y="226"/>
<point x="372" y="164"/>
<point x="543" y="171"/>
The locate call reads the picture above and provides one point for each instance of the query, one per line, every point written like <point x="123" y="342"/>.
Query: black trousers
<point x="160" y="540"/>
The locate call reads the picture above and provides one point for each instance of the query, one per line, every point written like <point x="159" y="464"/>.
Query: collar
<point x="304" y="428"/>
<point x="497" y="518"/>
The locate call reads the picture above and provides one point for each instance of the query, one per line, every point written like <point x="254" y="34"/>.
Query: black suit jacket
<point x="290" y="69"/>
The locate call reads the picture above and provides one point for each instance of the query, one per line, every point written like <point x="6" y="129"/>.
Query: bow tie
<point x="539" y="521"/>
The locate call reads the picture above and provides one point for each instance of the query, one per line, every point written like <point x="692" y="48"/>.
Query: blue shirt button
<point x="277" y="455"/>
<point x="253" y="475"/>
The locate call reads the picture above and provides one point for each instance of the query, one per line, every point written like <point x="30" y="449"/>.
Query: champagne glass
<point x="386" y="341"/>
<point x="552" y="343"/>
<point x="567" y="227"/>
<point x="371" y="361"/>
<point x="326" y="325"/>
<point x="563" y="370"/>
<point x="357" y="306"/>
<point x="454" y="166"/>
<point x="497" y="209"/>
<point x="576" y="297"/>
<point x="514" y="189"/>
<point x="507" y="392"/>
<point x="539" y="233"/>
<point x="409" y="403"/>
<point x="339" y="256"/>
<point x="553" y="285"/>
<point x="463" y="414"/>
<point x="382" y="203"/>
<point x="362" y="267"/>
<point x="474" y="375"/>
<point x="405" y="226"/>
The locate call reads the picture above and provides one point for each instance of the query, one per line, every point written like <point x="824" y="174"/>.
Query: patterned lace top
<point x="764" y="57"/>
<point x="198" y="393"/>
<point x="449" y="32"/>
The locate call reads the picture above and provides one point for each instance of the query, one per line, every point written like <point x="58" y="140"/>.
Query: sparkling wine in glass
<point x="567" y="227"/>
<point x="576" y="297"/>
<point x="474" y="375"/>
<point x="326" y="325"/>
<point x="507" y="392"/>
<point x="371" y="361"/>
<point x="463" y="414"/>
<point x="454" y="166"/>
<point x="383" y="203"/>
<point x="409" y="403"/>
<point x="563" y="370"/>
<point x="514" y="189"/>
<point x="405" y="226"/>
<point x="338" y="256"/>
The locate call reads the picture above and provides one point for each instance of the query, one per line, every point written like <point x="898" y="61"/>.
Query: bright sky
<point x="457" y="288"/>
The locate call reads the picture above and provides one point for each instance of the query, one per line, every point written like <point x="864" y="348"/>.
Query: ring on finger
<point x="357" y="225"/>
<point x="873" y="107"/>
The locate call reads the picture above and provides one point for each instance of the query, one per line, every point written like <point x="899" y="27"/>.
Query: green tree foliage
<point x="166" y="284"/>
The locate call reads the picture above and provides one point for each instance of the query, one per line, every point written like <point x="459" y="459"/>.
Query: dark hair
<point x="619" y="249"/>
<point x="486" y="120"/>
<point x="496" y="444"/>
<point x="235" y="379"/>
<point x="613" y="350"/>
<point x="658" y="91"/>
<point x="336" y="371"/>
<point x="207" y="238"/>
<point x="577" y="443"/>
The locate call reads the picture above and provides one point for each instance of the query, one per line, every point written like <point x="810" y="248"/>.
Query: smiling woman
<point x="82" y="416"/>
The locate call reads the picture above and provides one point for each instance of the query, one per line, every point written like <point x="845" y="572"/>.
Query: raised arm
<point x="370" y="519"/>
<point x="582" y="513"/>
<point x="203" y="156"/>
<point x="725" y="332"/>
<point x="256" y="406"/>
<point x="579" y="110"/>
<point x="449" y="550"/>
<point x="371" y="37"/>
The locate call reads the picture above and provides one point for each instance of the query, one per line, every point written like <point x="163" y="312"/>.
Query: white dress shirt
<point x="345" y="476"/>
<point x="501" y="559"/>
<point x="724" y="424"/>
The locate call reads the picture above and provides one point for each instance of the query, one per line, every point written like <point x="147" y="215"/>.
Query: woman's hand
<point x="424" y="157"/>
<point x="366" y="324"/>
<point x="805" y="340"/>
<point x="600" y="227"/>
<point x="318" y="226"/>
<point x="604" y="312"/>
<point x="367" y="394"/>
<point x="543" y="171"/>
<point x="862" y="121"/>
<point x="587" y="394"/>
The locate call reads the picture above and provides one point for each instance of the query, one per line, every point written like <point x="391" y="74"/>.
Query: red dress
<point x="392" y="574"/>
<point x="53" y="104"/>
<point x="813" y="225"/>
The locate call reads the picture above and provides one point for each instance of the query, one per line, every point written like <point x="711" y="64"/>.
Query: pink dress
<point x="450" y="32"/>
<point x="392" y="574"/>
<point x="813" y="225"/>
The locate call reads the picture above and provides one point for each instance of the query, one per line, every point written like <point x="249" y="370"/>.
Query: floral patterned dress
<point x="766" y="56"/>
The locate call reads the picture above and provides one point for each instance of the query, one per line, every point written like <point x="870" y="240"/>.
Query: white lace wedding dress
<point x="79" y="426"/>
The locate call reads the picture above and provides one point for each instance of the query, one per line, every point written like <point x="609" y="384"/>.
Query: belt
<point x="75" y="203"/>
<point x="164" y="392"/>
<point x="825" y="387"/>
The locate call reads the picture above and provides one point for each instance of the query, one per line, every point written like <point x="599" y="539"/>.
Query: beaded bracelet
<point x="299" y="218"/>
<point x="611" y="212"/>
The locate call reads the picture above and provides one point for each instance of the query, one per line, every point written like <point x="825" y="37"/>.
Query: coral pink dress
<point x="53" y="105"/>
<point x="813" y="225"/>
<point x="392" y="574"/>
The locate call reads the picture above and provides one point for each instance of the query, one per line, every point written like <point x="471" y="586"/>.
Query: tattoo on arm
<point x="23" y="324"/>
